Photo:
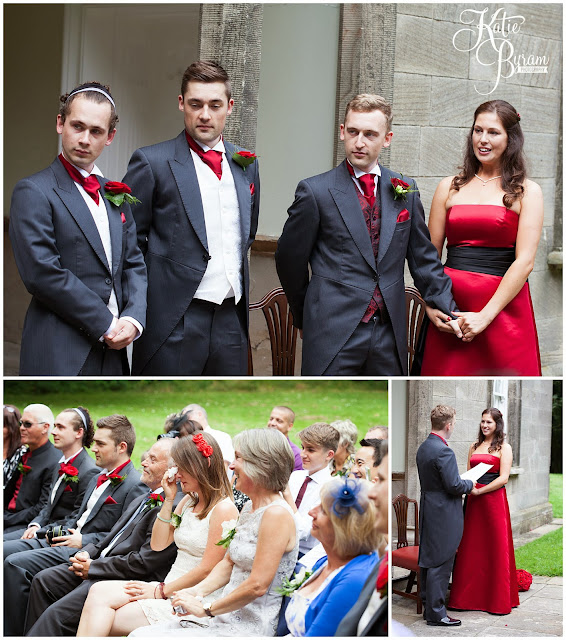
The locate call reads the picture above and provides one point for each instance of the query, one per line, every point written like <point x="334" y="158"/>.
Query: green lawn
<point x="555" y="494"/>
<point x="542" y="557"/>
<point x="232" y="405"/>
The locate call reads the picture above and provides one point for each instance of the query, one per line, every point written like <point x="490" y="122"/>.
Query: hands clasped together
<point x="468" y="325"/>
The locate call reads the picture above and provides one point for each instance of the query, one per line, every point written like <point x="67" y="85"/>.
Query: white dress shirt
<point x="223" y="276"/>
<point x="100" y="217"/>
<point x="310" y="499"/>
<point x="94" y="496"/>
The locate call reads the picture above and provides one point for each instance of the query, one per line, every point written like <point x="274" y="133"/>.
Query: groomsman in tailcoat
<point x="355" y="226"/>
<point x="196" y="221"/>
<point x="441" y="517"/>
<point x="106" y="499"/>
<point x="76" y="251"/>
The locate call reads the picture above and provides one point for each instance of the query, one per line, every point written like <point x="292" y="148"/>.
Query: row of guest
<point x="21" y="568"/>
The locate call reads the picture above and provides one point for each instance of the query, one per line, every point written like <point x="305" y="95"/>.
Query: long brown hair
<point x="513" y="162"/>
<point x="12" y="417"/>
<point x="498" y="436"/>
<point x="209" y="471"/>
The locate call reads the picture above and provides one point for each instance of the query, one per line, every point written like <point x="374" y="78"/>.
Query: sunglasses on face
<point x="26" y="424"/>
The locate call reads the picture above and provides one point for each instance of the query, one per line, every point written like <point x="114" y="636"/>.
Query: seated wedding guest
<point x="367" y="459"/>
<point x="13" y="449"/>
<point x="344" y="524"/>
<point x="29" y="488"/>
<point x="107" y="497"/>
<point x="198" y="413"/>
<point x="178" y="425"/>
<point x="58" y="594"/>
<point x="379" y="432"/>
<point x="117" y="608"/>
<point x="282" y="418"/>
<point x="262" y="550"/>
<point x="368" y="616"/>
<point x="343" y="459"/>
<point x="72" y="433"/>
<point x="320" y="442"/>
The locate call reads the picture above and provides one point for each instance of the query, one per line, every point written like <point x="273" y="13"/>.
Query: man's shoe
<point x="447" y="621"/>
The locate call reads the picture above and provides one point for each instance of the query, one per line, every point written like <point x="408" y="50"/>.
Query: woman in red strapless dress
<point x="491" y="216"/>
<point x="484" y="577"/>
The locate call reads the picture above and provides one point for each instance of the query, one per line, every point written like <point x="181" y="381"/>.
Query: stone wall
<point x="529" y="429"/>
<point x="434" y="99"/>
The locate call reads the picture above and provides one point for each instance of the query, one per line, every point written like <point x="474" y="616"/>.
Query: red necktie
<point x="90" y="184"/>
<point x="12" y="504"/>
<point x="211" y="158"/>
<point x="302" y="490"/>
<point x="367" y="181"/>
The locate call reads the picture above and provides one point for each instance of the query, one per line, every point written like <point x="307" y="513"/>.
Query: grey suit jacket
<point x="109" y="507"/>
<point x="172" y="234"/>
<point x="62" y="263"/>
<point x="69" y="495"/>
<point x="326" y="230"/>
<point x="34" y="489"/>
<point x="377" y="625"/>
<point x="441" y="517"/>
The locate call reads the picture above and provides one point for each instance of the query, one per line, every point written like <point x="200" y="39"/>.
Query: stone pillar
<point x="230" y="34"/>
<point x="366" y="58"/>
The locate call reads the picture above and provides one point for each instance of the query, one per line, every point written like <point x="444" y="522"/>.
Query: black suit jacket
<point x="105" y="514"/>
<point x="326" y="230"/>
<point x="62" y="263"/>
<point x="441" y="518"/>
<point x="35" y="488"/>
<point x="172" y="233"/>
<point x="69" y="495"/>
<point x="377" y="625"/>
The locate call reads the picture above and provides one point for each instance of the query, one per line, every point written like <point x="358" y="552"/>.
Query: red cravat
<point x="101" y="479"/>
<point x="367" y="180"/>
<point x="64" y="464"/>
<point x="90" y="184"/>
<point x="302" y="490"/>
<point x="12" y="504"/>
<point x="211" y="158"/>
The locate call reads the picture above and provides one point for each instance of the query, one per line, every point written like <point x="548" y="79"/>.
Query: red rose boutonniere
<point x="244" y="158"/>
<point x="154" y="500"/>
<point x="69" y="473"/>
<point x="116" y="479"/>
<point x="117" y="192"/>
<point x="382" y="577"/>
<point x="24" y="469"/>
<point x="401" y="188"/>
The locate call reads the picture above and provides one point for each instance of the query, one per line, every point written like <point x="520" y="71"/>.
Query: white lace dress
<point x="259" y="617"/>
<point x="190" y="537"/>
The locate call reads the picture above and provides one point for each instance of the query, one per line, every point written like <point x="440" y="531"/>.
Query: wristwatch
<point x="206" y="606"/>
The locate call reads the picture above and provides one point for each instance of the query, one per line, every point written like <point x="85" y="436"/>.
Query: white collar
<point x="376" y="171"/>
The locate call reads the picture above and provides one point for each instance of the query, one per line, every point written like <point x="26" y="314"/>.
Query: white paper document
<point x="476" y="472"/>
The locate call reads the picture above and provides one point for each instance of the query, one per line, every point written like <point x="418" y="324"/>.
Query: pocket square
<point x="67" y="488"/>
<point x="110" y="500"/>
<point x="404" y="215"/>
<point x="252" y="188"/>
<point x="123" y="217"/>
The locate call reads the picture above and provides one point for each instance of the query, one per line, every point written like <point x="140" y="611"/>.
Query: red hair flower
<point x="202" y="445"/>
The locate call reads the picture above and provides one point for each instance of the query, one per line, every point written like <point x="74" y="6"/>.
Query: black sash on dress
<point x="488" y="477"/>
<point x="490" y="260"/>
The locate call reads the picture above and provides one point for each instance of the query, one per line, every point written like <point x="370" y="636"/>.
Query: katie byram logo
<point x="491" y="38"/>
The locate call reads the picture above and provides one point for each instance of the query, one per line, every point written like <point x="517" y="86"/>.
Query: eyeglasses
<point x="26" y="424"/>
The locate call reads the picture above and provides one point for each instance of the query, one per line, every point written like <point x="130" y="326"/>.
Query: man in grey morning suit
<point x="441" y="518"/>
<point x="76" y="251"/>
<point x="196" y="221"/>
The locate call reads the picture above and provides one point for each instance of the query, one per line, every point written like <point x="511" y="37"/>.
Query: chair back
<point x="415" y="316"/>
<point x="282" y="333"/>
<point x="401" y="506"/>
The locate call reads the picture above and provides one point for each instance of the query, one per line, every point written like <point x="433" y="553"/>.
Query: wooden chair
<point x="406" y="556"/>
<point x="282" y="333"/>
<point x="415" y="316"/>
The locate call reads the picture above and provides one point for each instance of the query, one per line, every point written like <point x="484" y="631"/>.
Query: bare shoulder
<point x="506" y="448"/>
<point x="276" y="515"/>
<point x="532" y="189"/>
<point x="224" y="510"/>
